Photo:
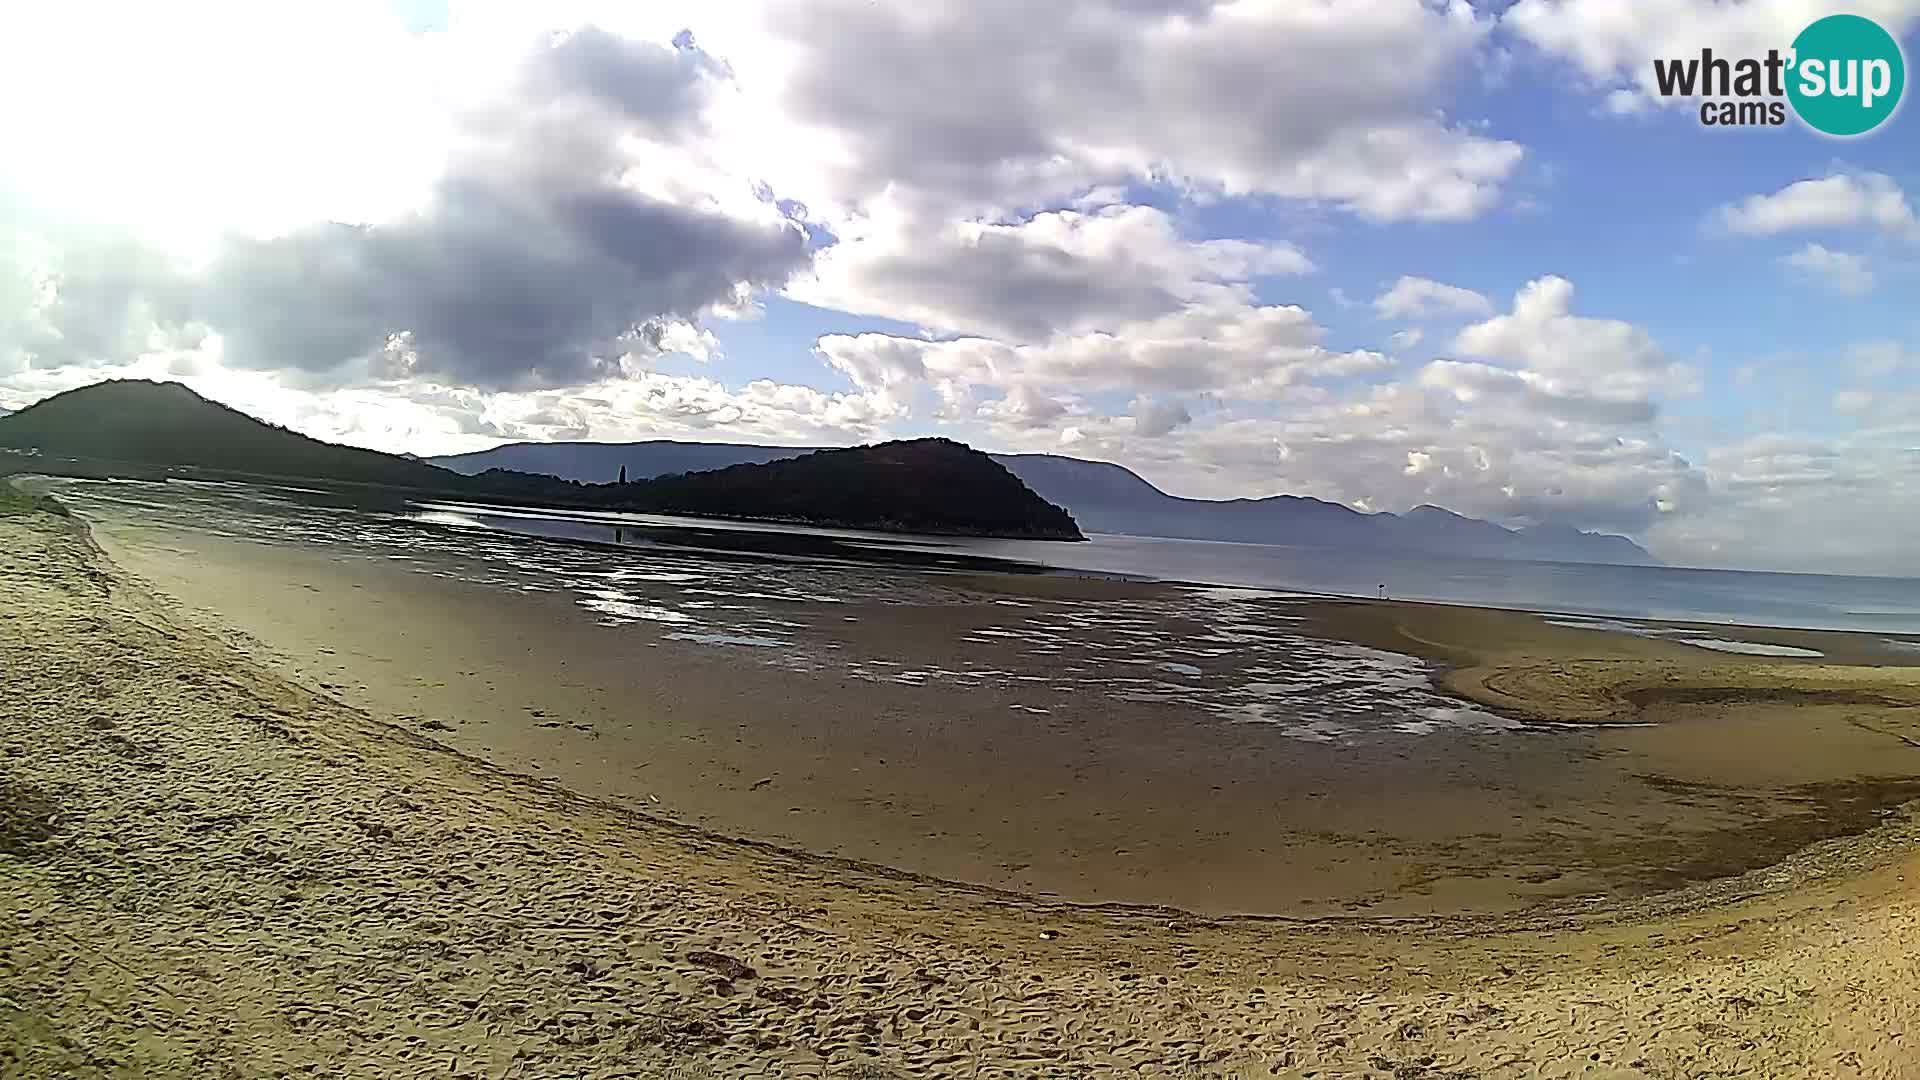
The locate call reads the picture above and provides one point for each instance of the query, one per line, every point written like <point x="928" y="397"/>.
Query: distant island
<point x="933" y="486"/>
<point x="132" y="427"/>
<point x="1108" y="498"/>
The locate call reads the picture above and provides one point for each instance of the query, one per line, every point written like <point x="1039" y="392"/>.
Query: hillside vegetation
<point x="155" y="423"/>
<point x="917" y="485"/>
<point x="920" y="485"/>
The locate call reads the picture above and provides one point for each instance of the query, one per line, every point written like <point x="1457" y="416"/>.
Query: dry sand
<point x="207" y="869"/>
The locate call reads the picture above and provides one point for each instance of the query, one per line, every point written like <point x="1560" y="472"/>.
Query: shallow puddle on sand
<point x="1748" y="648"/>
<point x="1258" y="668"/>
<point x="1683" y="635"/>
<point x="731" y="639"/>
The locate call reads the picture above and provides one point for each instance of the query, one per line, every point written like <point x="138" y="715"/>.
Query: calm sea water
<point x="1807" y="601"/>
<point x="1751" y="598"/>
<point x="1810" y="601"/>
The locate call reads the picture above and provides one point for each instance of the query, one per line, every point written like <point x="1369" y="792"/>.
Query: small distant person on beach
<point x="1383" y="592"/>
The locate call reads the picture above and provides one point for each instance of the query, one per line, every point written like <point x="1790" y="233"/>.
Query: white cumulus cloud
<point x="1611" y="359"/>
<point x="1842" y="200"/>
<point x="1835" y="271"/>
<point x="1422" y="298"/>
<point x="1614" y="43"/>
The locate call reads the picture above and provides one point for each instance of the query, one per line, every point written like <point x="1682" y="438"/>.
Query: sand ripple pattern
<point x="208" y="872"/>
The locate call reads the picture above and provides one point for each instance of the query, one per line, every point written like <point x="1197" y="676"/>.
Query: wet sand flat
<point x="209" y="869"/>
<point x="1075" y="769"/>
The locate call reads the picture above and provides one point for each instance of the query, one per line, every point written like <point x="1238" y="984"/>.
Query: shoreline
<point x="904" y="555"/>
<point x="1847" y="854"/>
<point x="240" y="871"/>
<point x="1014" y="567"/>
<point x="1826" y="860"/>
<point x="1095" y="800"/>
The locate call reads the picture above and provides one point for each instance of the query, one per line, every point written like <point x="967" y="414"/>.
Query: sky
<point x="1386" y="253"/>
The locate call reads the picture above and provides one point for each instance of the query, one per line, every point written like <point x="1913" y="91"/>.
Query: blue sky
<point x="1624" y="205"/>
<point x="1384" y="252"/>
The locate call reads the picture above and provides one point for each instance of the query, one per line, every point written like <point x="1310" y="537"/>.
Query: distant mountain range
<point x="924" y="485"/>
<point x="1108" y="498"/>
<point x="157" y="430"/>
<point x="601" y="463"/>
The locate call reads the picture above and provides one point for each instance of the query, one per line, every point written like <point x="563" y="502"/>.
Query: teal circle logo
<point x="1847" y="75"/>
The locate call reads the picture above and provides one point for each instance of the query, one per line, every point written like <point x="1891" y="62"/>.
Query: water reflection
<point x="773" y="597"/>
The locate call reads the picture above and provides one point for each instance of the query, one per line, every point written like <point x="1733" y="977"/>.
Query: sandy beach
<point x="1078" y="767"/>
<point x="271" y="811"/>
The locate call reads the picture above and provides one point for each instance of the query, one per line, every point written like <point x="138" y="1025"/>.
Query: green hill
<point x="921" y="485"/>
<point x="166" y="424"/>
<point x="915" y="485"/>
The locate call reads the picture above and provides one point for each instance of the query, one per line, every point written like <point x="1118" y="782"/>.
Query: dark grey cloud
<point x="1060" y="272"/>
<point x="534" y="262"/>
<point x="660" y="90"/>
<point x="1016" y="289"/>
<point x="492" y="287"/>
<point x="116" y="297"/>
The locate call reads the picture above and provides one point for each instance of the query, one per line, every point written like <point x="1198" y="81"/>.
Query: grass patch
<point x="14" y="501"/>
